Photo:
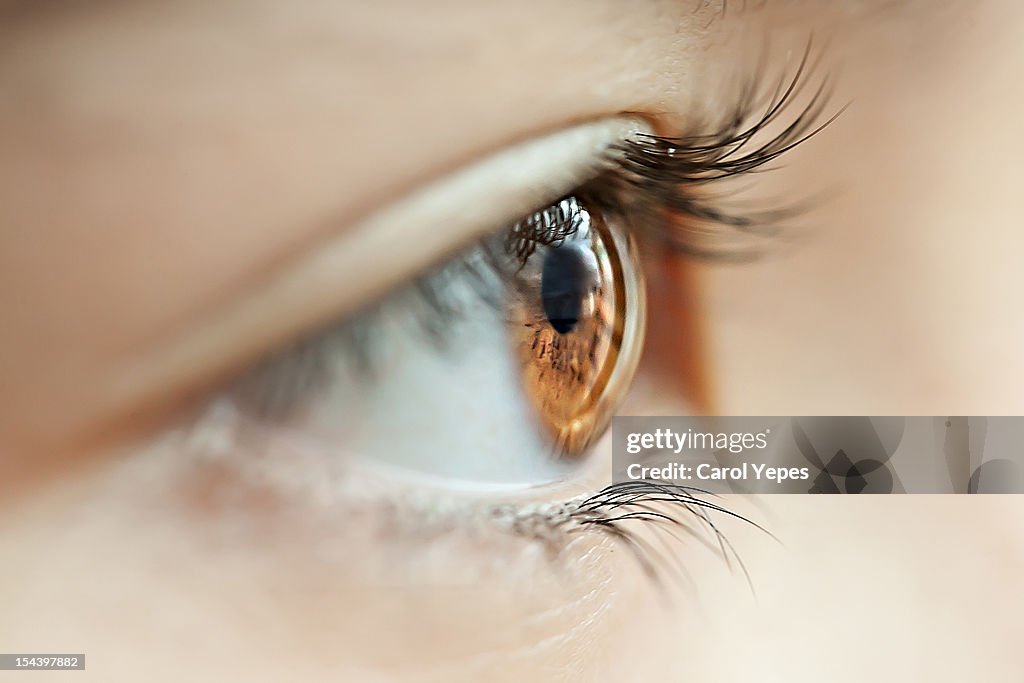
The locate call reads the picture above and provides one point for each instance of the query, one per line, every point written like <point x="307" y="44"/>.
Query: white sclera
<point x="455" y="411"/>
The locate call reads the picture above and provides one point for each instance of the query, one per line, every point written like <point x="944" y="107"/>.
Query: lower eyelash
<point x="616" y="509"/>
<point x="305" y="482"/>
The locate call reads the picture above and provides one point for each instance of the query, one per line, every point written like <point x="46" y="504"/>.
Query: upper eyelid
<point x="338" y="277"/>
<point x="449" y="215"/>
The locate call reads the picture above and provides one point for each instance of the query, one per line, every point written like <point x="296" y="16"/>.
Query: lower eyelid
<point x="279" y="554"/>
<point x="214" y="473"/>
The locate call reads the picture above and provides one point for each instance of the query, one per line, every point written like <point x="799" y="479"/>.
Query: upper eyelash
<point x="659" y="182"/>
<point x="549" y="226"/>
<point x="667" y="177"/>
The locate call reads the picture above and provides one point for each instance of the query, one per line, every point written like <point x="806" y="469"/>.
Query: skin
<point x="164" y="164"/>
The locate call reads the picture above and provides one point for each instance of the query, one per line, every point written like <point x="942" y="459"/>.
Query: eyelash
<point x="670" y="177"/>
<point x="662" y="185"/>
<point x="609" y="509"/>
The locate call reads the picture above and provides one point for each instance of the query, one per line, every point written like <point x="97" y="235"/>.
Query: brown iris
<point x="576" y="319"/>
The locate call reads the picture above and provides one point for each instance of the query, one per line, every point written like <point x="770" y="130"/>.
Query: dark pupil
<point x="566" y="279"/>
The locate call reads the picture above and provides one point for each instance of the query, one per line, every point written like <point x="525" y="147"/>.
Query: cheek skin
<point x="898" y="587"/>
<point x="246" y="594"/>
<point x="264" y="603"/>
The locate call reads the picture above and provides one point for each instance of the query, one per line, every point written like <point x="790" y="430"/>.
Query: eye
<point x="500" y="366"/>
<point x="577" y="318"/>
<point x="504" y="364"/>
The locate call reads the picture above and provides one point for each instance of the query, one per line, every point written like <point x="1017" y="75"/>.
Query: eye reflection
<point x="570" y="281"/>
<point x="577" y="320"/>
